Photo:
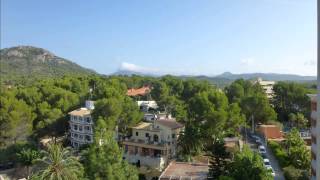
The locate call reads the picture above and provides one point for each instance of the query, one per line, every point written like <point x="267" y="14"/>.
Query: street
<point x="273" y="161"/>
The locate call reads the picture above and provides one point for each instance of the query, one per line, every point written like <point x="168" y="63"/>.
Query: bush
<point x="279" y="153"/>
<point x="291" y="173"/>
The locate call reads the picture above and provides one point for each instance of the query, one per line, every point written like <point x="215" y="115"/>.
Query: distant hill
<point x="267" y="76"/>
<point x="28" y="61"/>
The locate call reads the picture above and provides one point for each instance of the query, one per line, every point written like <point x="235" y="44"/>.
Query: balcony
<point x="147" y="144"/>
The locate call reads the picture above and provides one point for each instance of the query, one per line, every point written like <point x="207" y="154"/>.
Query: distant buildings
<point x="152" y="144"/>
<point x="315" y="170"/>
<point x="146" y="106"/>
<point x="267" y="87"/>
<point x="81" y="125"/>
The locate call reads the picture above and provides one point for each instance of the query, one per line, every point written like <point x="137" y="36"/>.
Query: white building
<point x="145" y="106"/>
<point x="314" y="135"/>
<point x="81" y="125"/>
<point x="267" y="87"/>
<point x="152" y="144"/>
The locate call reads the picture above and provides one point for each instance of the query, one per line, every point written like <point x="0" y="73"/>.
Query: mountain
<point x="28" y="61"/>
<point x="267" y="76"/>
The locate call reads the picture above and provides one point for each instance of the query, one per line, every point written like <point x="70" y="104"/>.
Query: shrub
<point x="292" y="173"/>
<point x="279" y="153"/>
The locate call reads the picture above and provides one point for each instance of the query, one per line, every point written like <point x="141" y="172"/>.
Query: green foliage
<point x="218" y="160"/>
<point x="299" y="155"/>
<point x="292" y="173"/>
<point x="252" y="100"/>
<point x="290" y="98"/>
<point x="190" y="141"/>
<point x="15" y="119"/>
<point x="248" y="165"/>
<point x="298" y="120"/>
<point x="280" y="153"/>
<point x="25" y="64"/>
<point x="58" y="163"/>
<point x="103" y="160"/>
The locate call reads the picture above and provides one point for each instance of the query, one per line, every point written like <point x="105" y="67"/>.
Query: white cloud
<point x="310" y="63"/>
<point x="125" y="66"/>
<point x="247" y="61"/>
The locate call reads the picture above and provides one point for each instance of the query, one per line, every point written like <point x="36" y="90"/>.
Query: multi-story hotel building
<point x="81" y="125"/>
<point x="152" y="144"/>
<point x="267" y="87"/>
<point x="314" y="135"/>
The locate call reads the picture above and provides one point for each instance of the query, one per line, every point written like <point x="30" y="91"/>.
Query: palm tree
<point x="58" y="164"/>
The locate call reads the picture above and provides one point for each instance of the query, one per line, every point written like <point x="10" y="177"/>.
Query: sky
<point x="189" y="37"/>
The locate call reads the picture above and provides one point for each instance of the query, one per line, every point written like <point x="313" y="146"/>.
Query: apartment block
<point x="81" y="125"/>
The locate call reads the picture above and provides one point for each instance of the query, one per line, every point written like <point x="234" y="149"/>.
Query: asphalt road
<point x="273" y="161"/>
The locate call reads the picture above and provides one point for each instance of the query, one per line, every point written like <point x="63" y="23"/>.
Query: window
<point x="137" y="134"/>
<point x="76" y="135"/>
<point x="75" y="127"/>
<point x="80" y="118"/>
<point x="88" y="138"/>
<point x="147" y="134"/>
<point x="87" y="128"/>
<point x="80" y="128"/>
<point x="88" y="119"/>
<point x="80" y="136"/>
<point x="173" y="136"/>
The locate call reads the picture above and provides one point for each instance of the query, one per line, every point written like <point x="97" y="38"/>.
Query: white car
<point x="267" y="163"/>
<point x="269" y="168"/>
<point x="262" y="150"/>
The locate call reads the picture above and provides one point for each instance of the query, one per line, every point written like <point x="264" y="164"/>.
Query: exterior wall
<point x="153" y="162"/>
<point x="81" y="131"/>
<point x="271" y="132"/>
<point x="314" y="171"/>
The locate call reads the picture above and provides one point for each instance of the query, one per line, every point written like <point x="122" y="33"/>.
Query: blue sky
<point x="169" y="36"/>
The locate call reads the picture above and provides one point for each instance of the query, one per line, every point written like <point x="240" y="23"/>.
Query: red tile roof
<point x="138" y="92"/>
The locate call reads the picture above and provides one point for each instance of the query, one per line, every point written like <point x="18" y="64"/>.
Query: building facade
<point x="267" y="87"/>
<point x="314" y="134"/>
<point x="81" y="125"/>
<point x="152" y="144"/>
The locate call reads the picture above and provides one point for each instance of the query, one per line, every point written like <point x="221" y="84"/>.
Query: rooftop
<point x="143" y="125"/>
<point x="139" y="91"/>
<point x="184" y="170"/>
<point x="171" y="123"/>
<point x="80" y="112"/>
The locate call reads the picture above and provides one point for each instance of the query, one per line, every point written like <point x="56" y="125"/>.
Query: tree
<point x="218" y="160"/>
<point x="249" y="165"/>
<point x="109" y="110"/>
<point x="298" y="153"/>
<point x="298" y="120"/>
<point x="27" y="157"/>
<point x="258" y="107"/>
<point x="15" y="119"/>
<point x="235" y="119"/>
<point x="58" y="164"/>
<point x="289" y="98"/>
<point x="103" y="160"/>
<point x="190" y="141"/>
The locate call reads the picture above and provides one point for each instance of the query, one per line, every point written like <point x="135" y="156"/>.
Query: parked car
<point x="267" y="163"/>
<point x="262" y="150"/>
<point x="269" y="168"/>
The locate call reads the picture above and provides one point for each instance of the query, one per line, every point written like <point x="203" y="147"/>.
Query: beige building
<point x="267" y="87"/>
<point x="81" y="125"/>
<point x="314" y="134"/>
<point x="152" y="144"/>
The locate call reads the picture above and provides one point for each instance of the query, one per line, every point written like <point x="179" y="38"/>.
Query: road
<point x="273" y="161"/>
